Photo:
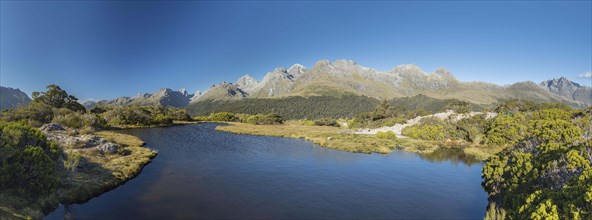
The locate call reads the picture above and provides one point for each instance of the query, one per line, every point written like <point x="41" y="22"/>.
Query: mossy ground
<point x="98" y="173"/>
<point x="345" y="140"/>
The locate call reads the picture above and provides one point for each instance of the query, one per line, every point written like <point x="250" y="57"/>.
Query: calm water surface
<point x="203" y="173"/>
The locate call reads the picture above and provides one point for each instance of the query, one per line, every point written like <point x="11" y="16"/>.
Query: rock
<point x="51" y="127"/>
<point x="107" y="147"/>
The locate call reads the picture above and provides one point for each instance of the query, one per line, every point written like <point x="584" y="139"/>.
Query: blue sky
<point x="104" y="50"/>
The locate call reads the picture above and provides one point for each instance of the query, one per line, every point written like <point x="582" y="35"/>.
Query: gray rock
<point x="107" y="147"/>
<point x="51" y="127"/>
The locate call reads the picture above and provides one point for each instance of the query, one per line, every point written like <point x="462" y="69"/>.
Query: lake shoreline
<point x="347" y="140"/>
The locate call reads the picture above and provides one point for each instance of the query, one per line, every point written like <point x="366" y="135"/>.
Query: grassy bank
<point x="100" y="173"/>
<point x="96" y="173"/>
<point x="344" y="139"/>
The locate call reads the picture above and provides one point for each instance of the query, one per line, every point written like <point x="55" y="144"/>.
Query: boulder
<point x="106" y="148"/>
<point x="52" y="127"/>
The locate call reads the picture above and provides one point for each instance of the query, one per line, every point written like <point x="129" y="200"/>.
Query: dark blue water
<point x="203" y="173"/>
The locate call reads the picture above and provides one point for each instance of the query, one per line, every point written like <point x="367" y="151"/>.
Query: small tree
<point x="58" y="98"/>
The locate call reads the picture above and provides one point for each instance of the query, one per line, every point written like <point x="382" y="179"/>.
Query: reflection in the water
<point x="454" y="155"/>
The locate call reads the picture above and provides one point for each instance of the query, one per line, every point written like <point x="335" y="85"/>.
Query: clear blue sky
<point x="104" y="50"/>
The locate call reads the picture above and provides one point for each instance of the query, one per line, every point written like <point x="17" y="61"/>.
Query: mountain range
<point x="163" y="97"/>
<point x="347" y="78"/>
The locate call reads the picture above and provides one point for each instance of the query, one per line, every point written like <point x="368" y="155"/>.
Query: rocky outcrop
<point x="107" y="148"/>
<point x="51" y="127"/>
<point x="12" y="98"/>
<point x="71" y="139"/>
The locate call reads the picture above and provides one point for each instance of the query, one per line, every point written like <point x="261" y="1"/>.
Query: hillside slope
<point x="12" y="98"/>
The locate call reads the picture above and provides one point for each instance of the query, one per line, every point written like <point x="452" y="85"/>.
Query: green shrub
<point x="27" y="160"/>
<point x="326" y="122"/>
<point x="223" y="116"/>
<point x="34" y="114"/>
<point x="507" y="129"/>
<point x="162" y="119"/>
<point x="386" y="135"/>
<point x="201" y="118"/>
<point x="460" y="107"/>
<point x="392" y="121"/>
<point x="268" y="119"/>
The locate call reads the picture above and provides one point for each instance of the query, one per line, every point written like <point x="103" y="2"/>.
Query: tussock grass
<point x="99" y="173"/>
<point x="332" y="137"/>
<point x="345" y="140"/>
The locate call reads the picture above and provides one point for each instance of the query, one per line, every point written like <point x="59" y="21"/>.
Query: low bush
<point x="223" y="116"/>
<point x="386" y="135"/>
<point x="326" y="122"/>
<point x="268" y="119"/>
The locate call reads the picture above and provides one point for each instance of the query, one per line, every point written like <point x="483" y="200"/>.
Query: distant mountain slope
<point x="346" y="77"/>
<point x="569" y="89"/>
<point x="293" y="107"/>
<point x="315" y="107"/>
<point x="163" y="97"/>
<point x="429" y="104"/>
<point x="12" y="98"/>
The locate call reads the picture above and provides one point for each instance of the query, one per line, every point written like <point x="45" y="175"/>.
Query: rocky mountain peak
<point x="444" y="74"/>
<point x="247" y="83"/>
<point x="184" y="92"/>
<point x="143" y="95"/>
<point x="163" y="92"/>
<point x="407" y="68"/>
<point x="345" y="62"/>
<point x="297" y="70"/>
<point x="566" y="88"/>
<point x="561" y="82"/>
<point x="280" y="70"/>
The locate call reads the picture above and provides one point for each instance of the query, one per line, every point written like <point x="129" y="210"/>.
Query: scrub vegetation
<point x="37" y="174"/>
<point x="545" y="172"/>
<point x="537" y="155"/>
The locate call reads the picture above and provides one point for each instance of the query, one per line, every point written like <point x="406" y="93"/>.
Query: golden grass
<point x="332" y="137"/>
<point x="104" y="172"/>
<point x="345" y="140"/>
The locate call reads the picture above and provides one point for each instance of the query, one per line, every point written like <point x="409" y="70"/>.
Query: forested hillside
<point x="313" y="107"/>
<point x="316" y="107"/>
